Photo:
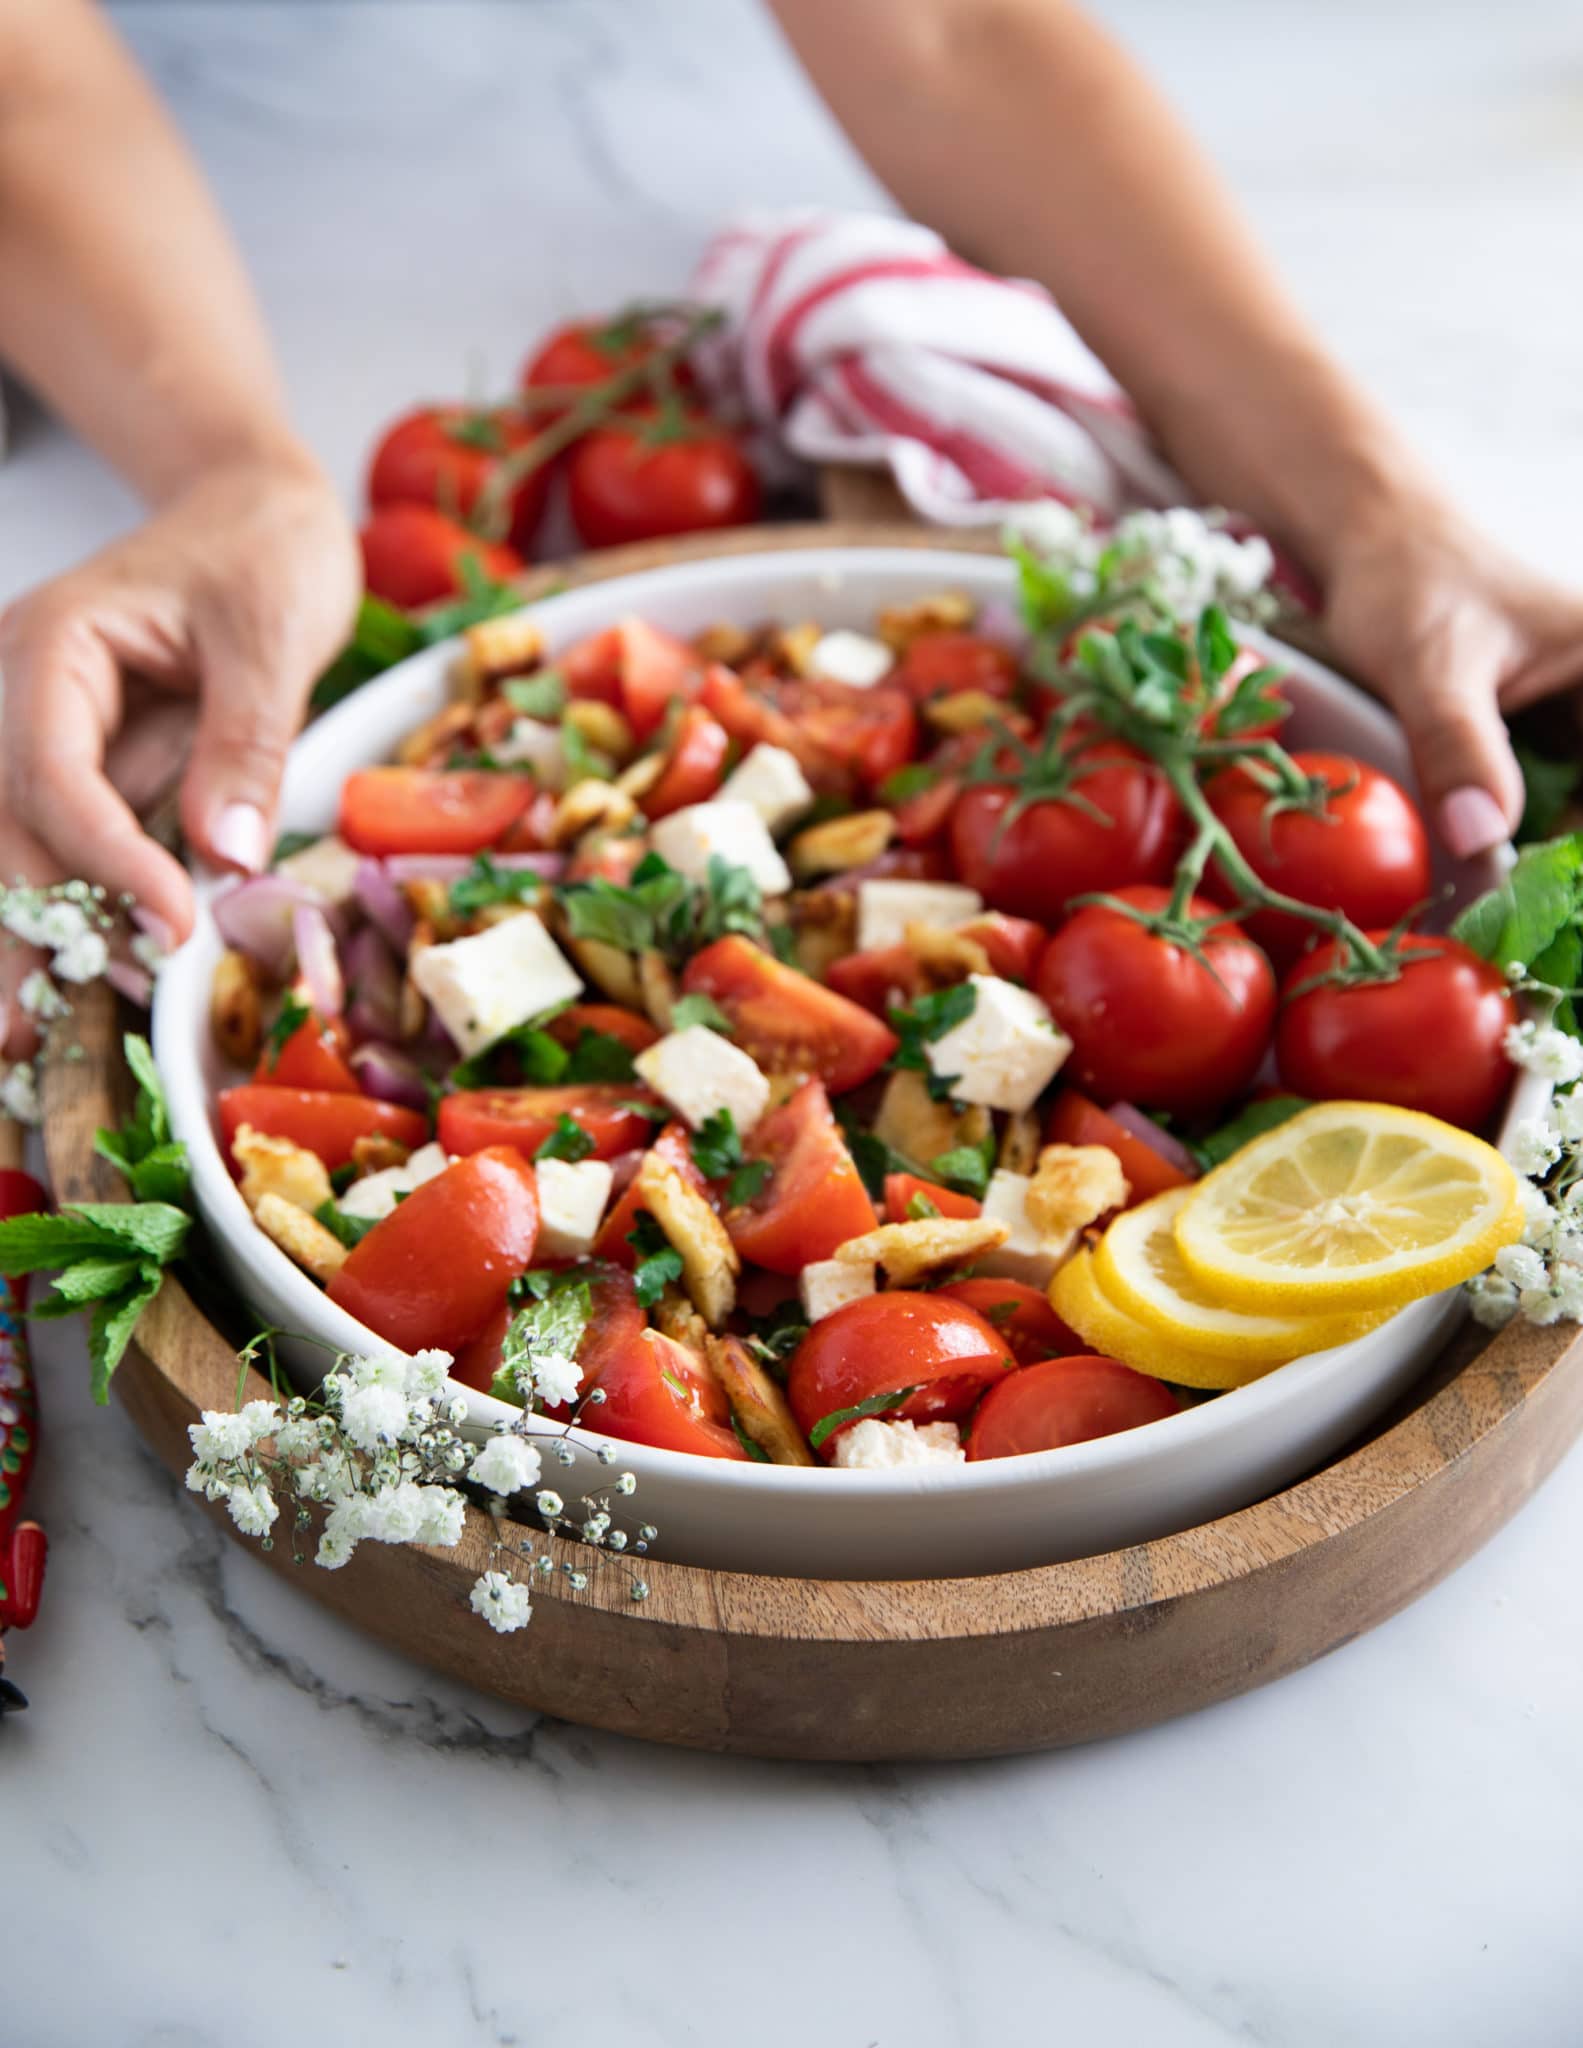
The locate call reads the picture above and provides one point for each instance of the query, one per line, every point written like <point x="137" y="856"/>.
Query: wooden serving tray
<point x="896" y="1670"/>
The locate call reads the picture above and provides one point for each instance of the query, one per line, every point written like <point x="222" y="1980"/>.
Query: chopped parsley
<point x="876" y="1404"/>
<point x="929" y="1019"/>
<point x="659" y="910"/>
<point x="351" y="1230"/>
<point x="551" y="1323"/>
<point x="485" y="884"/>
<point x="658" y="1260"/>
<point x="542" y="695"/>
<point x="294" y="1013"/>
<point x="967" y="1167"/>
<point x="699" y="1009"/>
<point x="568" y="1141"/>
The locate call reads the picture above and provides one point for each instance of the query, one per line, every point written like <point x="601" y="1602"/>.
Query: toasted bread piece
<point x="497" y="648"/>
<point x="911" y="1122"/>
<point x="1073" y="1185"/>
<point x="1019" y="1143"/>
<point x="375" y="1152"/>
<point x="301" y="1237"/>
<point x="908" y="1251"/>
<point x="236" y="1009"/>
<point x="945" y="956"/>
<point x="757" y="1403"/>
<point x="837" y="844"/>
<point x="709" y="1259"/>
<point x="946" y="611"/>
<point x="275" y="1166"/>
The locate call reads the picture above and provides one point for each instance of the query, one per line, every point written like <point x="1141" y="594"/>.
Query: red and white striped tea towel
<point x="862" y="339"/>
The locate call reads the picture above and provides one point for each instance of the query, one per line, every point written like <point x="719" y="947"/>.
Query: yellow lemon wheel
<point x="1349" y="1206"/>
<point x="1080" y="1301"/>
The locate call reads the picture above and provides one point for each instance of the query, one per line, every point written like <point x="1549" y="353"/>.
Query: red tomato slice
<point x="476" y="1118"/>
<point x="658" y="1392"/>
<point x="616" y="1323"/>
<point x="1074" y="1120"/>
<point x="674" y="1144"/>
<point x="310" y="1058"/>
<point x="1021" y="1314"/>
<point x="636" y="1033"/>
<point x="940" y="662"/>
<point x="891" y="975"/>
<point x="902" y="1189"/>
<point x="787" y="1022"/>
<point x="1065" y="1401"/>
<point x="814" y="1199"/>
<point x="413" y="556"/>
<point x="435" y="1270"/>
<point x="323" y="1123"/>
<point x="1012" y="943"/>
<point x="884" y="1342"/>
<point x="636" y="667"/>
<point x="695" y="766"/>
<point x="430" y="810"/>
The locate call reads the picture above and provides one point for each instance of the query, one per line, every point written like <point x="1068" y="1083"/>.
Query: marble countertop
<point x="226" y="1822"/>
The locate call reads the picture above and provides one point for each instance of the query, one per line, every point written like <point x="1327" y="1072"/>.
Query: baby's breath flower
<point x="1522" y="1266"/>
<point x="578" y="1581"/>
<point x="19" y="1093"/>
<point x="1541" y="1049"/>
<point x="1492" y="1301"/>
<point x="85" y="959"/>
<point x="252" y="1508"/>
<point x="39" y="996"/>
<point x="372" y="1416"/>
<point x="549" y="1504"/>
<point x="219" y="1437"/>
<point x="506" y="1464"/>
<point x="1566" y="1113"/>
<point x="626" y="1482"/>
<point x="503" y="1602"/>
<point x="1535" y="1145"/>
<point x="565" y="1455"/>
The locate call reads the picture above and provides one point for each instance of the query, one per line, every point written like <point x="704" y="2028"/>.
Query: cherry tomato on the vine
<point x="589" y="352"/>
<point x="445" y="455"/>
<point x="639" y="477"/>
<point x="413" y="556"/>
<point x="1430" y="1039"/>
<point x="1150" y="1023"/>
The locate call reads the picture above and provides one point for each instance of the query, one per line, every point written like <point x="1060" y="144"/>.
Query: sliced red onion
<point x="1144" y="1128"/>
<point x="317" y="961"/>
<point x="127" y="979"/>
<point x="380" y="899"/>
<point x="373" y="980"/>
<point x="1000" y="620"/>
<point x="256" y="918"/>
<point x="450" y="867"/>
<point x="390" y="1076"/>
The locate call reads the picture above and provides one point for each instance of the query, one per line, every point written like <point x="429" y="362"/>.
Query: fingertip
<point x="1470" y="822"/>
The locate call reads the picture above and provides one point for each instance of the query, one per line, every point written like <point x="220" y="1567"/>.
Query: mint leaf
<point x="552" y="1325"/>
<point x="732" y="902"/>
<point x="599" y="1056"/>
<point x="876" y="1404"/>
<point x="485" y="885"/>
<point x="1524" y="913"/>
<point x="156" y="1229"/>
<point x="541" y="696"/>
<point x="1248" y="1124"/>
<point x="967" y="1167"/>
<point x="567" y="1141"/>
<point x="658" y="1261"/>
<point x="93" y="1279"/>
<point x="699" y="1009"/>
<point x="716" y="1146"/>
<point x="1547" y="785"/>
<point x="294" y="1013"/>
<point x="928" y="1019"/>
<point x="111" y="1326"/>
<point x="381" y="637"/>
<point x="163" y="1175"/>
<point x="37" y="1244"/>
<point x="351" y="1230"/>
<point x="749" y="1180"/>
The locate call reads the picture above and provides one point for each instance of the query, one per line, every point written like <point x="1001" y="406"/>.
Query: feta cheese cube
<point x="538" y="747"/>
<point x="1027" y="1254"/>
<point x="572" y="1198"/>
<point x="772" y="781"/>
<point x="734" y="831"/>
<point x="851" y="658"/>
<point x="484" y="986"/>
<point x="328" y="867"/>
<point x="875" y="1445"/>
<point x="374" y="1196"/>
<point x="885" y="909"/>
<point x="1006" y="1053"/>
<point x="698" y="1073"/>
<point x="830" y="1284"/>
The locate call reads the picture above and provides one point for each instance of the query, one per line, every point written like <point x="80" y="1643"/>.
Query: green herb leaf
<point x="351" y="1230"/>
<point x="482" y="598"/>
<point x="541" y="696"/>
<point x="876" y="1404"/>
<point x="543" y="1059"/>
<point x="755" y="1451"/>
<point x="928" y="1019"/>
<point x="750" y="1179"/>
<point x="111" y="1326"/>
<point x="1547" y="785"/>
<point x="716" y="1146"/>
<point x="485" y="885"/>
<point x="381" y="636"/>
<point x="699" y="1009"/>
<point x="732" y="902"/>
<point x="920" y="1208"/>
<point x="567" y="1141"/>
<point x="967" y="1167"/>
<point x="157" y="1229"/>
<point x="775" y="1336"/>
<point x="552" y="1325"/>
<point x="94" y="1279"/>
<point x="294" y="1013"/>
<point x="1524" y="913"/>
<point x="292" y="842"/>
<point x="912" y="780"/>
<point x="1248" y="1124"/>
<point x="658" y="1261"/>
<point x="598" y="1056"/>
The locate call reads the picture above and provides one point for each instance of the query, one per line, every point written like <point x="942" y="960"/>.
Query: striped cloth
<point x="857" y="338"/>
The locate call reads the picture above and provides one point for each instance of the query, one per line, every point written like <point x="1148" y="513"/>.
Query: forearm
<point x="1025" y="135"/>
<point x="122" y="301"/>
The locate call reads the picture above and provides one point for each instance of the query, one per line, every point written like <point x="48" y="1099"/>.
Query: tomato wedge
<point x="885" y="1342"/>
<point x="937" y="663"/>
<point x="430" y="810"/>
<point x="903" y="1189"/>
<point x="435" y="1270"/>
<point x="694" y="768"/>
<point x="1021" y="1314"/>
<point x="787" y="1022"/>
<point x="637" y="668"/>
<point x="310" y="1058"/>
<point x="888" y="975"/>
<point x="658" y="1392"/>
<point x="322" y="1122"/>
<point x="673" y="1144"/>
<point x="476" y="1118"/>
<point x="607" y="1020"/>
<point x="615" y="1323"/>
<point x="1075" y="1120"/>
<point x="1065" y="1401"/>
<point x="814" y="1198"/>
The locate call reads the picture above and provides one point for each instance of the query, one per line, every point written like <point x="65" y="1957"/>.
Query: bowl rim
<point x="181" y="1002"/>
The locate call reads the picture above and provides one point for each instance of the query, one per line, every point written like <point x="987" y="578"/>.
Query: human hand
<point x="1455" y="635"/>
<point x="210" y="623"/>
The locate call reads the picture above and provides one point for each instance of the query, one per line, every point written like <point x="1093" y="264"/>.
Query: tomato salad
<point x="725" y="1043"/>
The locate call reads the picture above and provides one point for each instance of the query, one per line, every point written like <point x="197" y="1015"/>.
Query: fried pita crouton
<point x="497" y="648"/>
<point x="911" y="1122"/>
<point x="963" y="711"/>
<point x="757" y="1403"/>
<point x="1019" y="1143"/>
<point x="945" y="956"/>
<point x="275" y="1166"/>
<point x="908" y="1251"/>
<point x="375" y="1152"/>
<point x="236" y="1009"/>
<point x="301" y="1237"/>
<point x="947" y="611"/>
<point x="1073" y="1185"/>
<point x="709" y="1259"/>
<point x="840" y="843"/>
<point x="588" y="806"/>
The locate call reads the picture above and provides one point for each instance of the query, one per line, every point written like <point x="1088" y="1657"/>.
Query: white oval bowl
<point x="925" y="1523"/>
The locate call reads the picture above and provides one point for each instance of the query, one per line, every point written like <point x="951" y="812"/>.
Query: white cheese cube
<point x="484" y="986"/>
<point x="885" y="909"/>
<point x="329" y="867"/>
<point x="688" y="839"/>
<point x="538" y="747"/>
<point x="1026" y="1255"/>
<point x="851" y="658"/>
<point x="374" y="1196"/>
<point x="1006" y="1053"/>
<point x="830" y="1284"/>
<point x="875" y="1445"/>
<point x="699" y="1073"/>
<point x="572" y="1198"/>
<point x="772" y="781"/>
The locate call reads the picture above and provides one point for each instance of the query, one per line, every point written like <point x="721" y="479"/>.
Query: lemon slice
<point x="1138" y="1265"/>
<point x="1081" y="1303"/>
<point x="1349" y="1205"/>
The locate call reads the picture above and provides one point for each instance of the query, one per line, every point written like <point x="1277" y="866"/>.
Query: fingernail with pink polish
<point x="1471" y="821"/>
<point x="153" y="926"/>
<point x="240" y="836"/>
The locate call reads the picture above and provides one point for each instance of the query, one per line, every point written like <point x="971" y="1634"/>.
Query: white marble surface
<point x="226" y="1823"/>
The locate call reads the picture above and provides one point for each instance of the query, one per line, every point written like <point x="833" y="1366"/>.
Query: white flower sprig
<point x="1179" y="560"/>
<point x="381" y="1452"/>
<point x="1542" y="1277"/>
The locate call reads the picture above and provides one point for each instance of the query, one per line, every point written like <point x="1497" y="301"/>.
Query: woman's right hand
<point x="208" y="624"/>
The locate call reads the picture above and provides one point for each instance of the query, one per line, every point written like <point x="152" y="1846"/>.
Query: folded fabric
<point x="857" y="338"/>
